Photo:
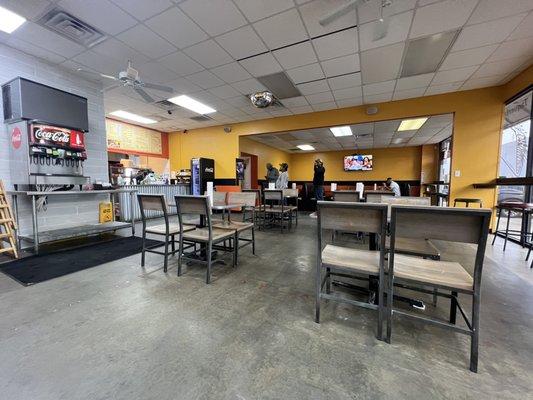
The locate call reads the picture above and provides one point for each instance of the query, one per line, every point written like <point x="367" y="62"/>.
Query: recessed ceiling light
<point x="191" y="104"/>
<point x="399" y="140"/>
<point x="341" y="131"/>
<point x="132" y="117"/>
<point x="411" y="124"/>
<point x="9" y="21"/>
<point x="306" y="147"/>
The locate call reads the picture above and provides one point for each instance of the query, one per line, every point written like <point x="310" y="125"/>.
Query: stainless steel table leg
<point x="35" y="225"/>
<point x="16" y="215"/>
<point x="132" y="215"/>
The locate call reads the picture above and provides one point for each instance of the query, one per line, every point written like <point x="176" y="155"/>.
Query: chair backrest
<point x="290" y="192"/>
<point x="352" y="217"/>
<point x="219" y="197"/>
<point x="377" y="197"/>
<point x="247" y="199"/>
<point x="156" y="203"/>
<point x="406" y="200"/>
<point x="257" y="194"/>
<point x="196" y="205"/>
<point x="346" y="196"/>
<point x="273" y="195"/>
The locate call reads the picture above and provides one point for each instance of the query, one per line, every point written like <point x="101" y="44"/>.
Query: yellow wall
<point x="398" y="163"/>
<point x="265" y="154"/>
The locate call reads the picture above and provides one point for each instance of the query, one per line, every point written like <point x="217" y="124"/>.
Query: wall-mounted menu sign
<point x="126" y="137"/>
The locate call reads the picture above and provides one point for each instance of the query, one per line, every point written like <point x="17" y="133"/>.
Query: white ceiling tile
<point x="378" y="88"/>
<point x="306" y="73"/>
<point x="318" y="98"/>
<point x="27" y="8"/>
<point x="314" y="11"/>
<point x="398" y="28"/>
<point x="101" y="14"/>
<point x="330" y="105"/>
<point x="414" y="82"/>
<point x="99" y="63"/>
<point x="341" y="65"/>
<point x="513" y="49"/>
<point x="295" y="56"/>
<point x="345" y="81"/>
<point x="453" y="75"/>
<point x="242" y="42"/>
<point x="282" y="29"/>
<point x="156" y="73"/>
<point x="242" y="102"/>
<point x="177" y="28"/>
<point x="313" y="87"/>
<point x="381" y="64"/>
<point x="386" y="126"/>
<point x="350" y="102"/>
<point x="468" y="57"/>
<point x="363" y="129"/>
<point x="378" y="98"/>
<point x="499" y="67"/>
<point x="38" y="36"/>
<point x="525" y="29"/>
<point x="258" y="9"/>
<point x="147" y="42"/>
<point x="371" y="10"/>
<point x="408" y="93"/>
<point x="486" y="33"/>
<point x="348" y="93"/>
<point x="261" y="65"/>
<point x="142" y="9"/>
<point x="441" y="16"/>
<point x="231" y="73"/>
<point x="209" y="54"/>
<point x="182" y="86"/>
<point x="248" y="86"/>
<point x="119" y="51"/>
<point x="493" y="9"/>
<point x="181" y="63"/>
<point x="301" y="109"/>
<point x="483" y="82"/>
<point x="224" y="92"/>
<point x="295" y="102"/>
<point x="214" y="18"/>
<point x="445" y="88"/>
<point x="205" y="80"/>
<point x="336" y="45"/>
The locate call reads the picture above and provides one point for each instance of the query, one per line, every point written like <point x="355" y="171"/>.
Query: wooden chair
<point x="247" y="200"/>
<point x="449" y="224"/>
<point x="207" y="236"/>
<point x="348" y="262"/>
<point x="350" y="196"/>
<point x="157" y="203"/>
<point x="275" y="210"/>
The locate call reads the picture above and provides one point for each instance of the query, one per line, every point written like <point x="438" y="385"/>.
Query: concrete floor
<point x="119" y="332"/>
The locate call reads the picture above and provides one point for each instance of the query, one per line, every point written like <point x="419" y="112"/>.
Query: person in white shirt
<point x="393" y="186"/>
<point x="283" y="179"/>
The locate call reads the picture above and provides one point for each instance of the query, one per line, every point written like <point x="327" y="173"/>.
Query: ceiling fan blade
<point x="162" y="88"/>
<point x="339" y="12"/>
<point x="144" y="95"/>
<point x="381" y="28"/>
<point x="108" y="88"/>
<point x="97" y="74"/>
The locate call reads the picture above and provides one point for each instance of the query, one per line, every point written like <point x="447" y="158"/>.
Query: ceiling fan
<point x="130" y="78"/>
<point x="381" y="26"/>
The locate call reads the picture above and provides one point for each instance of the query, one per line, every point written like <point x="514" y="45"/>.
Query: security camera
<point x="227" y="129"/>
<point x="169" y="112"/>
<point x="185" y="131"/>
<point x="262" y="99"/>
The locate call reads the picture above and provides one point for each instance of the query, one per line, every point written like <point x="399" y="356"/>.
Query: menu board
<point x="126" y="137"/>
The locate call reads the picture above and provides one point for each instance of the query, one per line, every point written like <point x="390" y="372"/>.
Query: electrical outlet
<point x="457" y="173"/>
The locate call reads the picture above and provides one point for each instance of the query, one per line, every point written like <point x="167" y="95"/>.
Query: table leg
<point x="16" y="216"/>
<point x="35" y="225"/>
<point x="132" y="214"/>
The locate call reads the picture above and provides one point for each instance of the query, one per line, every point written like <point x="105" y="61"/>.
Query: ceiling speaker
<point x="371" y="110"/>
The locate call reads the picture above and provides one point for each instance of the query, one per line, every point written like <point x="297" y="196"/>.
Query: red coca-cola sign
<point x="16" y="138"/>
<point x="55" y="136"/>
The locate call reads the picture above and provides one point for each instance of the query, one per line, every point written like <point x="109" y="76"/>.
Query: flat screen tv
<point x="358" y="162"/>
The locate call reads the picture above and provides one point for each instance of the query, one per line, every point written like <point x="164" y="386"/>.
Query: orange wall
<point x="265" y="154"/>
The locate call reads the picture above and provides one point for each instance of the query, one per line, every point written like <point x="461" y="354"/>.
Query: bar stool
<point x="510" y="207"/>
<point x="468" y="201"/>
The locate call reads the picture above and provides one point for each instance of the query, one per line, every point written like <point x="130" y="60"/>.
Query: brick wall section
<point x="61" y="211"/>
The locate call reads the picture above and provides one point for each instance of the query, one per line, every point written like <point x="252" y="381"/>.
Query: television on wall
<point x="358" y="162"/>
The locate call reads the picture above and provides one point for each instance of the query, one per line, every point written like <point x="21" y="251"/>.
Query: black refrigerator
<point x="202" y="171"/>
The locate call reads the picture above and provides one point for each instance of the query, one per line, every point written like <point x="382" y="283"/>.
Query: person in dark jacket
<point x="318" y="182"/>
<point x="272" y="173"/>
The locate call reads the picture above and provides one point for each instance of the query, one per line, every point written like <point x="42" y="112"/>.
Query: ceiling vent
<point x="201" y="118"/>
<point x="425" y="55"/>
<point x="71" y="27"/>
<point x="280" y="84"/>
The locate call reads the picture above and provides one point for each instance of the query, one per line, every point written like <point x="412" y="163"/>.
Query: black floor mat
<point x="42" y="267"/>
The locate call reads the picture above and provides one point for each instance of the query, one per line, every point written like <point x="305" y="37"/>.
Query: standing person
<point x="283" y="179"/>
<point x="272" y="174"/>
<point x="393" y="187"/>
<point x="318" y="182"/>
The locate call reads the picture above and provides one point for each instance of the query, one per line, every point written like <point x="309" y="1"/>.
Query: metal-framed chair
<point x="275" y="210"/>
<point x="334" y="260"/>
<point x="288" y="195"/>
<point x="350" y="196"/>
<point x="256" y="210"/>
<point x="158" y="203"/>
<point x="439" y="223"/>
<point x="206" y="236"/>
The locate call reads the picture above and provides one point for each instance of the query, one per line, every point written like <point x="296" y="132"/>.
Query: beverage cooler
<point x="46" y="129"/>
<point x="202" y="171"/>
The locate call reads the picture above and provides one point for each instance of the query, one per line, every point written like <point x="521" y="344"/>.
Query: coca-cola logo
<point x="16" y="138"/>
<point x="51" y="135"/>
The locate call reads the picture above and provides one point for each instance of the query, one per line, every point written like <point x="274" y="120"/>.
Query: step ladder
<point x="8" y="226"/>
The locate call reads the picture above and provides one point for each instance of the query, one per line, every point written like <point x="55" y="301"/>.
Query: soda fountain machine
<point x="202" y="171"/>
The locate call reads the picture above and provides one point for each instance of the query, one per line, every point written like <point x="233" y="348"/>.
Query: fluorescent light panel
<point x="412" y="124"/>
<point x="305" y="147"/>
<point x="132" y="117"/>
<point x="341" y="131"/>
<point x="191" y="104"/>
<point x="9" y="21"/>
